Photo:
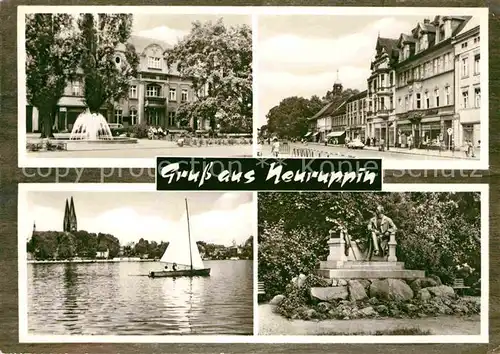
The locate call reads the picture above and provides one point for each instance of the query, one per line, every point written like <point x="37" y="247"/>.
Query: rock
<point x="382" y="309"/>
<point x="422" y="283"/>
<point x="324" y="307"/>
<point x="410" y="308"/>
<point x="368" y="312"/>
<point x="442" y="291"/>
<point x="391" y="289"/>
<point x="365" y="282"/>
<point x="424" y="295"/>
<point x="356" y="291"/>
<point x="309" y="314"/>
<point x="436" y="279"/>
<point x="342" y="282"/>
<point x="329" y="293"/>
<point x="301" y="280"/>
<point x="334" y="282"/>
<point x="373" y="301"/>
<point x="277" y="300"/>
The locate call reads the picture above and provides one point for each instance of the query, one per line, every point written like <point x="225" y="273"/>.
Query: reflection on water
<point x="109" y="298"/>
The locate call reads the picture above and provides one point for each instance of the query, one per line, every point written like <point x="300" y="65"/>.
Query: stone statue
<point x="381" y="228"/>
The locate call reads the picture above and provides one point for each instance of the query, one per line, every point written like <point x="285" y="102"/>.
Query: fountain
<point x="91" y="127"/>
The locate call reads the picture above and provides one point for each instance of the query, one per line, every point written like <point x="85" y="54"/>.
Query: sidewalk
<point x="447" y="153"/>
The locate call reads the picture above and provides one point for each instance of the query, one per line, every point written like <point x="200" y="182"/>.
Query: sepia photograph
<point x="110" y="85"/>
<point x="411" y="262"/>
<point x="407" y="86"/>
<point x="117" y="261"/>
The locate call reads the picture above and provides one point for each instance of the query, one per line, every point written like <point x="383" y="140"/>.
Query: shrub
<point x="140" y="131"/>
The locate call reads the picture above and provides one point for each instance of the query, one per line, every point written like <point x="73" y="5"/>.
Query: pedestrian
<point x="275" y="149"/>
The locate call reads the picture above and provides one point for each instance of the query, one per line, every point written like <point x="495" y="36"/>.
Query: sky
<point x="170" y="28"/>
<point x="214" y="217"/>
<point x="299" y="55"/>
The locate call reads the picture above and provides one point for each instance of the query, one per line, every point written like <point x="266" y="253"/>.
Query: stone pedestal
<point x="337" y="249"/>
<point x="392" y="248"/>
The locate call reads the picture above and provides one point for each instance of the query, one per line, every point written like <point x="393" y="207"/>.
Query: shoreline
<point x="115" y="260"/>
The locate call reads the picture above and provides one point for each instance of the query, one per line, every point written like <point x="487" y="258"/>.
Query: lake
<point x="110" y="299"/>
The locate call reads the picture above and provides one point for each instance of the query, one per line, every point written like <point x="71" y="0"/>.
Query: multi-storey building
<point x="381" y="91"/>
<point x="154" y="96"/>
<point x="339" y="124"/>
<point x="356" y="110"/>
<point x="467" y="84"/>
<point x="425" y="100"/>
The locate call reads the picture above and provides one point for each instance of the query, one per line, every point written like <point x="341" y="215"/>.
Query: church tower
<point x="66" y="218"/>
<point x="72" y="217"/>
<point x="337" y="86"/>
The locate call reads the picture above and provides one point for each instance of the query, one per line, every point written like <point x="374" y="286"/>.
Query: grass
<point x="411" y="331"/>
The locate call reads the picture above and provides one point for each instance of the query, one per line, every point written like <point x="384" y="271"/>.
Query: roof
<point x="141" y="43"/>
<point x="389" y="44"/>
<point x="327" y="107"/>
<point x="471" y="24"/>
<point x="357" y="96"/>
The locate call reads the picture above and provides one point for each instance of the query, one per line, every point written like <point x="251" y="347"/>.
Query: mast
<point x="189" y="237"/>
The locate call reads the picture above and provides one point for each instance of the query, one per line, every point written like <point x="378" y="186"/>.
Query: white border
<point x="446" y="163"/>
<point x="24" y="229"/>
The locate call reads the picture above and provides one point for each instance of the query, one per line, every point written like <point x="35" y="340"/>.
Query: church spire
<point x="72" y="217"/>
<point x="337" y="86"/>
<point x="66" y="217"/>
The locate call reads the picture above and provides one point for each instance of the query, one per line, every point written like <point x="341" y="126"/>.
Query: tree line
<point x="437" y="232"/>
<point x="290" y="119"/>
<point x="95" y="49"/>
<point x="58" y="245"/>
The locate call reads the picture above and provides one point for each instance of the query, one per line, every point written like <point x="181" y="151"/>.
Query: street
<point x="391" y="154"/>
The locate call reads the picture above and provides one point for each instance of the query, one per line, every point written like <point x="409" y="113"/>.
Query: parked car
<point x="115" y="126"/>
<point x="355" y="144"/>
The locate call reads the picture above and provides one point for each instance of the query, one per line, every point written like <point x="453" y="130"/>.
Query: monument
<point x="347" y="260"/>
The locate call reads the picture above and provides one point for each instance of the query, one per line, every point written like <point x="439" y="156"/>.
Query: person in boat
<point x="174" y="267"/>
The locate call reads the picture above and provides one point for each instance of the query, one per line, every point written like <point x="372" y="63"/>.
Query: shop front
<point x="471" y="132"/>
<point x="403" y="131"/>
<point x="336" y="137"/>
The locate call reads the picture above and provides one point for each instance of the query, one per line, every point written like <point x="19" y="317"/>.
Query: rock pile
<point x="309" y="297"/>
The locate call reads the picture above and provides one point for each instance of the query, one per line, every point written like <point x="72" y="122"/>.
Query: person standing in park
<point x="275" y="148"/>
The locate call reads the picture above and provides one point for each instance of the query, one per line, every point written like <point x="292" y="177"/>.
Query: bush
<point x="140" y="131"/>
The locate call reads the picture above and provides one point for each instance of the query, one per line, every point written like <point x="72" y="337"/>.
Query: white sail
<point x="178" y="252"/>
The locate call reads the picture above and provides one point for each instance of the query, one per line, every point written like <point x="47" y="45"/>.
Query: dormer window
<point x="154" y="62"/>
<point x="441" y="33"/>
<point x="406" y="52"/>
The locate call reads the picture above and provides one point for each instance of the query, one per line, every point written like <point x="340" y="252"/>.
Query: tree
<point x="51" y="61"/>
<point x="218" y="61"/>
<point x="289" y="118"/>
<point x="107" y="68"/>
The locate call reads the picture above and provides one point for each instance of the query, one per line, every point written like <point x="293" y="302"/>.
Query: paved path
<point x="273" y="324"/>
<point x="144" y="149"/>
<point x="370" y="152"/>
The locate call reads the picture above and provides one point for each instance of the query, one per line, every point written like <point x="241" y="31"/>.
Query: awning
<point x="308" y="133"/>
<point x="335" y="134"/>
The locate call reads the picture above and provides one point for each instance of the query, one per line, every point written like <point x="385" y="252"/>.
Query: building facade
<point x="356" y="111"/>
<point x="467" y="84"/>
<point x="425" y="99"/>
<point x="154" y="96"/>
<point x="381" y="92"/>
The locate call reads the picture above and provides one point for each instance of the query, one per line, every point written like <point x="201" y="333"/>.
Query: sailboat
<point x="185" y="255"/>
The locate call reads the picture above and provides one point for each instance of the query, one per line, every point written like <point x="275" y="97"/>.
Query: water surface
<point x="107" y="299"/>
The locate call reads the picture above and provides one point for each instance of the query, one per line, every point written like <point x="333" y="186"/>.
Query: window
<point x="133" y="91"/>
<point x="477" y="68"/>
<point x="465" y="67"/>
<point x="154" y="63"/>
<point x="447" y="63"/>
<point x="172" y="94"/>
<point x="477" y="97"/>
<point x="171" y="118"/>
<point x="153" y="91"/>
<point x="133" y="116"/>
<point x="391" y="103"/>
<point x="391" y="77"/>
<point x="436" y="97"/>
<point x="447" y="95"/>
<point x="441" y="33"/>
<point x="435" y="66"/>
<point x="427" y="100"/>
<point x="422" y="71"/>
<point x="465" y="98"/>
<point x="476" y="39"/>
<point x="75" y="89"/>
<point x="406" y="103"/>
<point x="400" y="102"/>
<point x="119" y="115"/>
<point x="184" y="95"/>
<point x="440" y="64"/>
<point x="464" y="45"/>
<point x="418" y="99"/>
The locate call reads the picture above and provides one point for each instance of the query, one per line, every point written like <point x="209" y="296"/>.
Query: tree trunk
<point x="46" y="127"/>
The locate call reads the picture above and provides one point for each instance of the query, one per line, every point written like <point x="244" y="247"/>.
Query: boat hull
<point x="180" y="273"/>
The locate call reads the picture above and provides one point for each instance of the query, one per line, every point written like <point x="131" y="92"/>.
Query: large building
<point x="356" y="110"/>
<point x="467" y="84"/>
<point x="153" y="99"/>
<point x="381" y="91"/>
<point x="424" y="98"/>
